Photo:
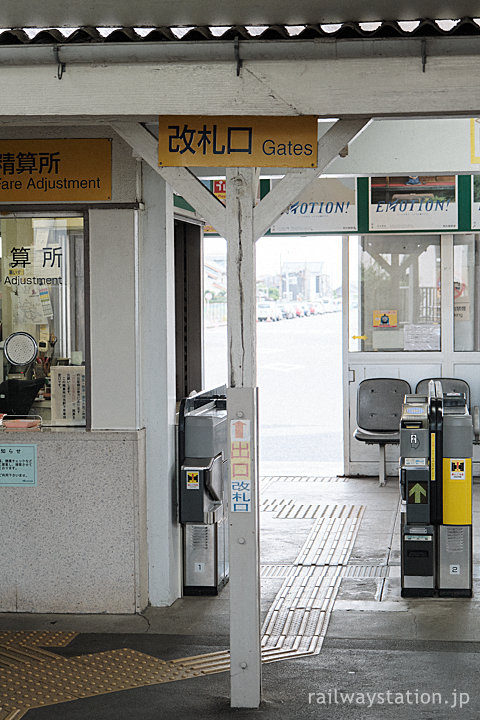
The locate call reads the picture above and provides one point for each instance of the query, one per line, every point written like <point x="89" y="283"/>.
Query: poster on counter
<point x="327" y="205"/>
<point x="413" y="202"/>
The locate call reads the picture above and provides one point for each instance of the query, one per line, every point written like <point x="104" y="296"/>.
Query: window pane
<point x="394" y="293"/>
<point x="43" y="295"/>
<point x="466" y="287"/>
<point x="215" y="313"/>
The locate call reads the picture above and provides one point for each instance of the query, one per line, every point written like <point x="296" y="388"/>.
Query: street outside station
<point x="300" y="391"/>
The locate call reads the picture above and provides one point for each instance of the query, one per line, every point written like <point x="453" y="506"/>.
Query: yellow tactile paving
<point x="31" y="678"/>
<point x="37" y="638"/>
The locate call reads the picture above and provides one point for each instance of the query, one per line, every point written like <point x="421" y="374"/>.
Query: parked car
<point x="287" y="309"/>
<point x="277" y="311"/>
<point x="327" y="305"/>
<point x="268" y="311"/>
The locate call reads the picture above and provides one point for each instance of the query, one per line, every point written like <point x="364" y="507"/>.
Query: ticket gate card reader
<point x="436" y="437"/>
<point x="203" y="502"/>
<point x="418" y="535"/>
<point x="204" y="525"/>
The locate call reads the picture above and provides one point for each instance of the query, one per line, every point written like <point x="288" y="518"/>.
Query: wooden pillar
<point x="245" y="642"/>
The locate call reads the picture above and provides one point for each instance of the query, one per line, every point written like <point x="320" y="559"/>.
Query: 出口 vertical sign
<point x="237" y="141"/>
<point x="240" y="459"/>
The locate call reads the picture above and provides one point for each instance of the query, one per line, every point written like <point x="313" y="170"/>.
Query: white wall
<point x="404" y="147"/>
<point x="158" y="387"/>
<point x="114" y="331"/>
<point x="76" y="542"/>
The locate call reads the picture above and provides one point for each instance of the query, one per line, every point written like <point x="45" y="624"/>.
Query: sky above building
<point x="273" y="251"/>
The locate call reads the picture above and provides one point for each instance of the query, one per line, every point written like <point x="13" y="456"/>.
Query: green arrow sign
<point x="417" y="491"/>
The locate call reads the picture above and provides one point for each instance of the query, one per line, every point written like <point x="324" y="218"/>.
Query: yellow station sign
<point x="54" y="170"/>
<point x="237" y="141"/>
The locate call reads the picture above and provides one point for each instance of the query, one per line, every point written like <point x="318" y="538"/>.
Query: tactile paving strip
<point x="298" y="618"/>
<point x="290" y="510"/>
<point x="31" y="677"/>
<point x="297" y="621"/>
<point x="350" y="571"/>
<point x="268" y="480"/>
<point x="275" y="571"/>
<point x="37" y="638"/>
<point x="331" y="539"/>
<point x="11" y="715"/>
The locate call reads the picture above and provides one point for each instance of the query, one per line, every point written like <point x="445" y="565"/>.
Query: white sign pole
<point x="245" y="643"/>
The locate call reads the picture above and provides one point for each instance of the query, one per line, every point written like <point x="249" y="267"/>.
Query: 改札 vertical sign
<point x="240" y="459"/>
<point x="237" y="141"/>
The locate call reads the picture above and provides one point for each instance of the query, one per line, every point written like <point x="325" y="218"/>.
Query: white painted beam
<point x="339" y="88"/>
<point x="295" y="181"/>
<point x="181" y="180"/>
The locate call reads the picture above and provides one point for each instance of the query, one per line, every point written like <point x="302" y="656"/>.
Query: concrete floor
<point x="393" y="657"/>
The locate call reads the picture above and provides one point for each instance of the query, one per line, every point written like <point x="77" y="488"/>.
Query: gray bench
<point x="379" y="409"/>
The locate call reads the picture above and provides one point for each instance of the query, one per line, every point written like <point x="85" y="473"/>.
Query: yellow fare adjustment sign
<point x="69" y="170"/>
<point x="237" y="141"/>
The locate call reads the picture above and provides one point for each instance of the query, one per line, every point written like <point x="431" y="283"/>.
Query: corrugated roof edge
<point x="345" y="31"/>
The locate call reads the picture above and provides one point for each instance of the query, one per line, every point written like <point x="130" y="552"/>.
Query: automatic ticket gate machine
<point x="436" y="448"/>
<point x="203" y="495"/>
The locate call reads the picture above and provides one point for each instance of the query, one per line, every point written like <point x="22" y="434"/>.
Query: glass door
<point x="412" y="314"/>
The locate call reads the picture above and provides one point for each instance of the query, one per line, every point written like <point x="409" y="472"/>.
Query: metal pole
<point x="245" y="642"/>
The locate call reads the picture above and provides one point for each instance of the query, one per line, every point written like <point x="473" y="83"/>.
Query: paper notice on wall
<point x="68" y="395"/>
<point x="27" y="307"/>
<point x="421" y="337"/>
<point x="461" y="310"/>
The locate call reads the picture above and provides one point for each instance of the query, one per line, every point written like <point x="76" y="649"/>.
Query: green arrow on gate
<point x="417" y="490"/>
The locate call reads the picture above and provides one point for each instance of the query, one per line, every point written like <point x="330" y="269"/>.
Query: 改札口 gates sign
<point x="237" y="141"/>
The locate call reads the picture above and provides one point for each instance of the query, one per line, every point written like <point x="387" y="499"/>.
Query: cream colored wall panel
<point x="113" y="324"/>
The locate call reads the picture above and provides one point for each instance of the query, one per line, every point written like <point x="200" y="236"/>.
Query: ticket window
<point x="42" y="293"/>
<point x="394" y="293"/>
